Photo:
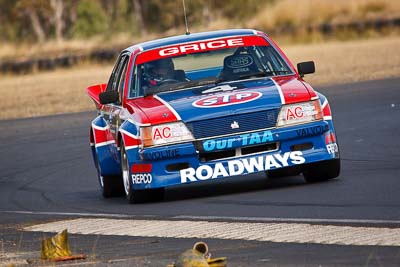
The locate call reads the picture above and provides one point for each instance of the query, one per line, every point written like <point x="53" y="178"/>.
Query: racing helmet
<point x="160" y="69"/>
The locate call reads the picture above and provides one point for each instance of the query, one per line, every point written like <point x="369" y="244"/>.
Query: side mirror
<point x="307" y="67"/>
<point x="109" y="97"/>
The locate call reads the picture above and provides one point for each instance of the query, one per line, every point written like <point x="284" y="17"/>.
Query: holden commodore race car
<point x="203" y="106"/>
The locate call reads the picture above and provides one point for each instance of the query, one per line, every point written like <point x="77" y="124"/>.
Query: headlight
<point x="163" y="134"/>
<point x="299" y="113"/>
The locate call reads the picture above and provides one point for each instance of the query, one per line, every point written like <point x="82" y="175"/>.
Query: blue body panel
<point x="108" y="156"/>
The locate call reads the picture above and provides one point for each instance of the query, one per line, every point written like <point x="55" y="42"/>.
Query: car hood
<point x="213" y="101"/>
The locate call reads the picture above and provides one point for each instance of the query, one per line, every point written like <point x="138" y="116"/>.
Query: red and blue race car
<point x="203" y="106"/>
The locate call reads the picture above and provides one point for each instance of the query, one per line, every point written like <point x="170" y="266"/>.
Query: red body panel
<point x="293" y="89"/>
<point x="151" y="110"/>
<point x="326" y="111"/>
<point x="130" y="141"/>
<point x="94" y="91"/>
<point x="312" y="92"/>
<point x="101" y="136"/>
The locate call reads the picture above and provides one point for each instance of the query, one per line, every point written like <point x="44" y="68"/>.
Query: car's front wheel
<point x="322" y="171"/>
<point x="110" y="185"/>
<point x="137" y="196"/>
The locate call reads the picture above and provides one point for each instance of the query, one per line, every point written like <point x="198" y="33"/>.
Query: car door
<point x="111" y="111"/>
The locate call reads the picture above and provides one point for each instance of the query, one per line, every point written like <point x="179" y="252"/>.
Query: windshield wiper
<point x="281" y="71"/>
<point x="201" y="82"/>
<point x="180" y="85"/>
<point x="262" y="74"/>
<point x="255" y="75"/>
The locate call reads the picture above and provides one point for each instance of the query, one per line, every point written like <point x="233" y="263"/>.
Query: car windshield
<point x="199" y="68"/>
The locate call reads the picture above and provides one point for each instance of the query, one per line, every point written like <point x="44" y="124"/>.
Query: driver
<point x="159" y="71"/>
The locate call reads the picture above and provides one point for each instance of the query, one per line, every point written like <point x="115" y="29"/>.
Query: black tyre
<point x="137" y="196"/>
<point x="110" y="186"/>
<point x="322" y="171"/>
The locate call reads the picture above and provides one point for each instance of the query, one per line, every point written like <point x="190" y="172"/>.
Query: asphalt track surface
<point x="47" y="175"/>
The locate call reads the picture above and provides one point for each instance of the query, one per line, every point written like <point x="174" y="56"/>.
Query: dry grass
<point x="76" y="46"/>
<point x="311" y="12"/>
<point x="342" y="62"/>
<point x="47" y="93"/>
<point x="49" y="48"/>
<point x="63" y="91"/>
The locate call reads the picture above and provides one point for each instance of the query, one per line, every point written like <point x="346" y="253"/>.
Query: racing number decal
<point x="221" y="88"/>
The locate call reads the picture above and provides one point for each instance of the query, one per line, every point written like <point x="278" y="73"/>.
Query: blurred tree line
<point x="41" y="20"/>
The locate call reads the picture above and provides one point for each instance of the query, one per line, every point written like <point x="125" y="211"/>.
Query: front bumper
<point x="233" y="155"/>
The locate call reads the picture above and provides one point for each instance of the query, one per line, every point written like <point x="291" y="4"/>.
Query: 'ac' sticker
<point x="227" y="99"/>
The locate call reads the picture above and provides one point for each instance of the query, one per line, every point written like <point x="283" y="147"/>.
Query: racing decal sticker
<point x="300" y="111"/>
<point x="142" y="178"/>
<point x="332" y="148"/>
<point x="242" y="140"/>
<point x="141" y="173"/>
<point x="168" y="132"/>
<point x="293" y="113"/>
<point x="312" y="131"/>
<point x="240" y="61"/>
<point x="201" y="46"/>
<point x="221" y="88"/>
<point x="242" y="166"/>
<point x="161" y="132"/>
<point x="331" y="145"/>
<point x="196" y="47"/>
<point x="227" y="99"/>
<point x="162" y="154"/>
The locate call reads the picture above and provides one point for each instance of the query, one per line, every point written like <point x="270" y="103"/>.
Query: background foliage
<point x="33" y="28"/>
<point x="37" y="21"/>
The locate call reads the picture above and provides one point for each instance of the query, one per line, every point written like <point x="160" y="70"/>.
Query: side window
<point x="114" y="72"/>
<point x="271" y="60"/>
<point x="121" y="81"/>
<point x="135" y="84"/>
<point x="117" y="79"/>
<point x="276" y="61"/>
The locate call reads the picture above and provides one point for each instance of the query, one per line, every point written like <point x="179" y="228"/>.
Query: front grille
<point x="234" y="124"/>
